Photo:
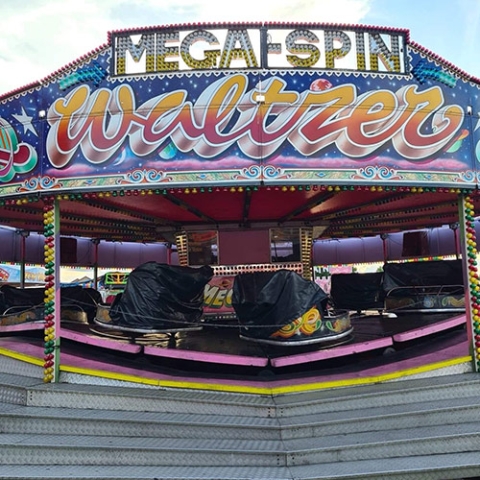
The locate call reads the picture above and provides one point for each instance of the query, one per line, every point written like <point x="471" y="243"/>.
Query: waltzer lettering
<point x="226" y="113"/>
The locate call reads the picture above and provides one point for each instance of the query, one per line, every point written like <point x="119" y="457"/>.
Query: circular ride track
<point x="338" y="130"/>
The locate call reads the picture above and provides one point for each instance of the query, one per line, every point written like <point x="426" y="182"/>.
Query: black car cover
<point x="357" y="291"/>
<point x="159" y="296"/>
<point x="418" y="274"/>
<point x="267" y="301"/>
<point x="85" y="299"/>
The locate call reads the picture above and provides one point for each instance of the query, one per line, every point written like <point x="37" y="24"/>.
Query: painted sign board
<point x="255" y="104"/>
<point x="258" y="46"/>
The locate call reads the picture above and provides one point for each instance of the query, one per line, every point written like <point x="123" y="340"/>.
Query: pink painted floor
<point x="220" y="356"/>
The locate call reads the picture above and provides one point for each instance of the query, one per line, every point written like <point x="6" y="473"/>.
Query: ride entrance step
<point x="414" y="429"/>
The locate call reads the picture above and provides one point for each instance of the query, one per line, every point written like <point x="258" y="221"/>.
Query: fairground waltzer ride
<point x="230" y="153"/>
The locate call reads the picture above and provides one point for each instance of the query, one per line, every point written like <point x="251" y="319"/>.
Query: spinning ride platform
<point x="240" y="144"/>
<point x="381" y="348"/>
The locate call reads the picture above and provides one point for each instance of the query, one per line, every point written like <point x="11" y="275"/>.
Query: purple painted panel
<point x="429" y="329"/>
<point x="207" y="357"/>
<point x="341" y="351"/>
<point x="101" y="342"/>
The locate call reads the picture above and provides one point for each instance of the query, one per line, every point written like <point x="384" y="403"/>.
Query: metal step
<point x="408" y="442"/>
<point x="27" y="391"/>
<point x="14" y="388"/>
<point x="410" y="429"/>
<point x="437" y="467"/>
<point x="379" y="395"/>
<point x="48" y="449"/>
<point x="18" y="449"/>
<point x="378" y="419"/>
<point x="122" y="453"/>
<point x="58" y="421"/>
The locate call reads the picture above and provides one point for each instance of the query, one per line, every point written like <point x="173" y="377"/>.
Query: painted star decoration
<point x="26" y="121"/>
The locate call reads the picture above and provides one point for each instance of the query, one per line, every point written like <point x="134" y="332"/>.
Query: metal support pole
<point x="23" y="251"/>
<point x="454" y="228"/>
<point x="95" y="242"/>
<point x="384" y="238"/>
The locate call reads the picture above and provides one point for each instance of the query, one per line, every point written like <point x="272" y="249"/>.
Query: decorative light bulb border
<point x="342" y="229"/>
<point x="134" y="192"/>
<point x="49" y="294"/>
<point x="473" y="278"/>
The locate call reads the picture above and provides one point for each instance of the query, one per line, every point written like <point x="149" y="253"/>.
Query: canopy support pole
<point x="23" y="251"/>
<point x="95" y="242"/>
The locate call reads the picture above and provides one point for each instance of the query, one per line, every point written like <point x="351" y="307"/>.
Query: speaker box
<point x="68" y="250"/>
<point x="415" y="244"/>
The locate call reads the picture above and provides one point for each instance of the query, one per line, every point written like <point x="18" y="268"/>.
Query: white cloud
<point x="338" y="11"/>
<point x="39" y="37"/>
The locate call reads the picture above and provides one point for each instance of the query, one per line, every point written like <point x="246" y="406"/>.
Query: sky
<point x="38" y="37"/>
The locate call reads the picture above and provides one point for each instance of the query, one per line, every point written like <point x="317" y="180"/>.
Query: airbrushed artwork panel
<point x="87" y="128"/>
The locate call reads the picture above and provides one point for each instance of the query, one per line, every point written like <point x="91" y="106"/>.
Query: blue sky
<point x="40" y="36"/>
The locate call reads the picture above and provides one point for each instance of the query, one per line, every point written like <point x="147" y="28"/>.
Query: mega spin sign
<point x="257" y="104"/>
<point x="269" y="47"/>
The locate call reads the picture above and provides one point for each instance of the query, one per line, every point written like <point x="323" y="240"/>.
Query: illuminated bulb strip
<point x="232" y="270"/>
<point x="296" y="48"/>
<point x="378" y="49"/>
<point x="163" y="52"/>
<point x="245" y="52"/>
<point x="49" y="295"/>
<point x="124" y="44"/>
<point x="306" y="244"/>
<point x="210" y="60"/>
<point x="361" y="59"/>
<point x="182" y="248"/>
<point x="333" y="37"/>
<point x="473" y="280"/>
<point x="209" y="189"/>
